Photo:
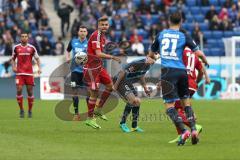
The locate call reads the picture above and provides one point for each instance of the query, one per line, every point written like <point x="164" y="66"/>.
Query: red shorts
<point x="95" y="77"/>
<point x="24" y="80"/>
<point x="192" y="85"/>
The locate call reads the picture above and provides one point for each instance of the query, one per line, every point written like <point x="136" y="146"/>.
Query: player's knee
<point x="137" y="101"/>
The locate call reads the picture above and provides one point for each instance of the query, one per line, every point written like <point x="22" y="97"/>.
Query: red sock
<point x="104" y="97"/>
<point x="30" y="103"/>
<point x="91" y="105"/>
<point x="20" y="101"/>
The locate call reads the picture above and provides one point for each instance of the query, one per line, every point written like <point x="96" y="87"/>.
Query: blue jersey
<point x="74" y="46"/>
<point x="171" y="43"/>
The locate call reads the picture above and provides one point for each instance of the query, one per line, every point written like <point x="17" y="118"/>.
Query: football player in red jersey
<point x="95" y="73"/>
<point x="24" y="53"/>
<point x="193" y="64"/>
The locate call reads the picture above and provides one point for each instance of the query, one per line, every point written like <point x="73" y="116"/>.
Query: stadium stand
<point x="215" y="19"/>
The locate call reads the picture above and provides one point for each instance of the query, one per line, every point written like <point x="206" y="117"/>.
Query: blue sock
<point x="135" y="115"/>
<point x="126" y="112"/>
<point x="75" y="104"/>
<point x="177" y="120"/>
<point x="190" y="117"/>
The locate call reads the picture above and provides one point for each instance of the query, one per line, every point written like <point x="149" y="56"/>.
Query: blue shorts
<point x="174" y="84"/>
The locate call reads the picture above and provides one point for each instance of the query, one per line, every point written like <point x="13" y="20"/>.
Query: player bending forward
<point x="192" y="63"/>
<point x="95" y="74"/>
<point x="123" y="83"/>
<point x="24" y="53"/>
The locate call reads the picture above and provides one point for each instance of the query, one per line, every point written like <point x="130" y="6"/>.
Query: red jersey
<point x="24" y="55"/>
<point x="96" y="41"/>
<point x="192" y="63"/>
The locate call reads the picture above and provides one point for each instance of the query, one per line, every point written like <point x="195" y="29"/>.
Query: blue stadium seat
<point x="191" y="3"/>
<point x="136" y="2"/>
<point x="155" y="18"/>
<point x="204" y="10"/>
<point x="48" y="34"/>
<point x="222" y="2"/>
<point x="228" y="33"/>
<point x="220" y="43"/>
<point x="195" y="10"/>
<point x="206" y="51"/>
<point x="217" y="34"/>
<point x="238" y="51"/>
<point x="173" y="9"/>
<point x="158" y="2"/>
<point x="186" y="10"/>
<point x="203" y="26"/>
<point x="189" y="18"/>
<point x="199" y="18"/>
<point x="118" y="34"/>
<point x="213" y="2"/>
<point x="207" y="34"/>
<point x="190" y="27"/>
<point x="34" y="33"/>
<point x="212" y="43"/>
<point x="217" y="52"/>
<point x="143" y="33"/>
<point x="146" y="44"/>
<point x="184" y="26"/>
<point x="218" y="8"/>
<point x="236" y="33"/>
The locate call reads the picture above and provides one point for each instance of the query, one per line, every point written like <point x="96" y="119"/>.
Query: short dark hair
<point x="84" y="27"/>
<point x="175" y="18"/>
<point x="103" y="19"/>
<point x="24" y="32"/>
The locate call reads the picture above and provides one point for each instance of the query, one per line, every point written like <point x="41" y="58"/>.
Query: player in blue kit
<point x="123" y="83"/>
<point x="171" y="43"/>
<point x="77" y="44"/>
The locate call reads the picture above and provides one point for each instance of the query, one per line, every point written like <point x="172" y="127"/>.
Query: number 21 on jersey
<point x="166" y="44"/>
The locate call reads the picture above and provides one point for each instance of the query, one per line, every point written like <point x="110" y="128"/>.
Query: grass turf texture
<point x="47" y="138"/>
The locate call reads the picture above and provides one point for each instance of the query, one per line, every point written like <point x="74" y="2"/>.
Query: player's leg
<point x="75" y="82"/>
<point x="91" y="121"/>
<point x="106" y="80"/>
<point x="19" y="96"/>
<point x="29" y="81"/>
<point x="185" y="100"/>
<point x="170" y="96"/>
<point x="30" y="99"/>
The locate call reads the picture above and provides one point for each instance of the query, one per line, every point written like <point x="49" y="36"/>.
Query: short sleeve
<point x="198" y="64"/>
<point x="35" y="54"/>
<point x="69" y="47"/>
<point x="191" y="43"/>
<point x="155" y="45"/>
<point x="14" y="54"/>
<point x="96" y="41"/>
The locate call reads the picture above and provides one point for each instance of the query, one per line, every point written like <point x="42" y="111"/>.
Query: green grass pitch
<point x="45" y="137"/>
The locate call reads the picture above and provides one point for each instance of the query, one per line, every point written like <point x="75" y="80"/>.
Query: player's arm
<point x="154" y="49"/>
<point x="13" y="58"/>
<point x="68" y="52"/>
<point x="119" y="79"/>
<point x="207" y="79"/>
<point x="194" y="47"/>
<point x="100" y="54"/>
<point x="144" y="85"/>
<point x="37" y="58"/>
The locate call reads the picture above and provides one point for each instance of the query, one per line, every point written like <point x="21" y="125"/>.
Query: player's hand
<point x="39" y="71"/>
<point x="116" y="59"/>
<point x="14" y="69"/>
<point x="159" y="86"/>
<point x="207" y="80"/>
<point x="114" y="88"/>
<point x="147" y="91"/>
<point x="68" y="60"/>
